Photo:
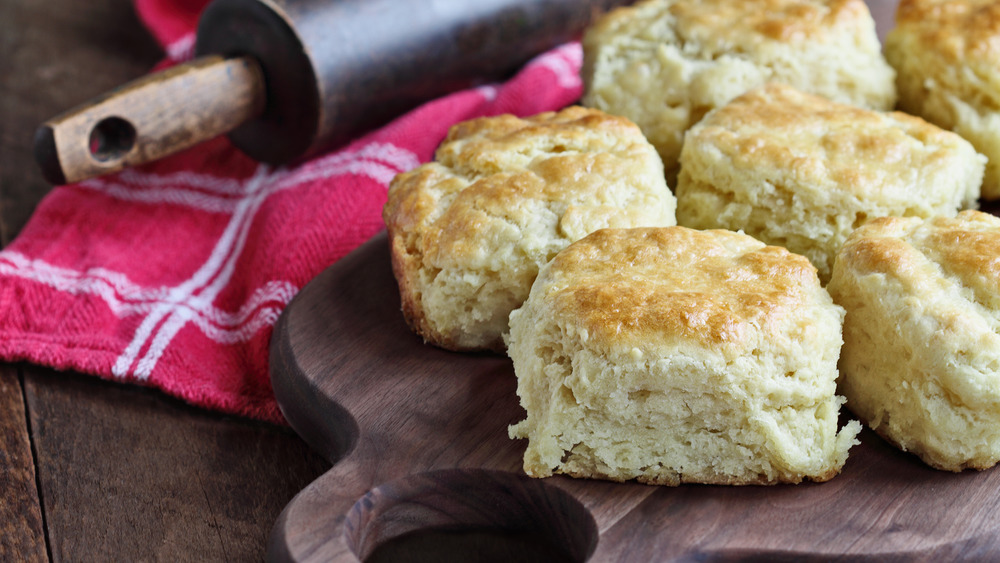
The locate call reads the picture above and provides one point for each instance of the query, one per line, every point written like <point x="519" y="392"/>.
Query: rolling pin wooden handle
<point x="151" y="118"/>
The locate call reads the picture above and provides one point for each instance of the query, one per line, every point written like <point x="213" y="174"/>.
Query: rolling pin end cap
<point x="47" y="156"/>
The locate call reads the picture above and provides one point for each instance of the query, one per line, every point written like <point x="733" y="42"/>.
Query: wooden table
<point x="93" y="470"/>
<point x="98" y="471"/>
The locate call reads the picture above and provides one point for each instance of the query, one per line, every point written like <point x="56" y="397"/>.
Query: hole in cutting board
<point x="470" y="515"/>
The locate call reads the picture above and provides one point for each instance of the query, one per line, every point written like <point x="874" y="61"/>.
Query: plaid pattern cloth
<point x="173" y="274"/>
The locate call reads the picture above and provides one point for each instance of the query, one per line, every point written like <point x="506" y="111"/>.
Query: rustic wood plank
<point x="55" y="55"/>
<point x="21" y="533"/>
<point x="128" y="474"/>
<point x="22" y="536"/>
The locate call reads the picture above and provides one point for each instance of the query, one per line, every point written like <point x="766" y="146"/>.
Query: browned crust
<point x="672" y="481"/>
<point x="958" y="30"/>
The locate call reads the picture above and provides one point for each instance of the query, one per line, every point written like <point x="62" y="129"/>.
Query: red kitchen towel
<point x="173" y="274"/>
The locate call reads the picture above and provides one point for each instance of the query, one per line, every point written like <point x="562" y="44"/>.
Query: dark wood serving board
<point x="423" y="466"/>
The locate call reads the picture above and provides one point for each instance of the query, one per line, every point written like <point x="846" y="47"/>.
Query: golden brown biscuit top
<point x="497" y="179"/>
<point x="824" y="144"/>
<point x="956" y="29"/>
<point x="507" y="143"/>
<point x="732" y="25"/>
<point x="640" y="287"/>
<point x="920" y="253"/>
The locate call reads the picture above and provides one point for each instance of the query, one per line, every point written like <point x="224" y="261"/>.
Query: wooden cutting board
<point x="424" y="467"/>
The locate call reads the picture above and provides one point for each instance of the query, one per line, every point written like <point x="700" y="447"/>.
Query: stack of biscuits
<point x="470" y="230"/>
<point x="733" y="236"/>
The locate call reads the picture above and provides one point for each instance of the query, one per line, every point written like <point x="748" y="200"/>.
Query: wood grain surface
<point x="21" y="532"/>
<point x="420" y="444"/>
<point x="125" y="464"/>
<point x="119" y="473"/>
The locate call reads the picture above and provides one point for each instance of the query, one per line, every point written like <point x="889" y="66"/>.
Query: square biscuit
<point x="921" y="357"/>
<point x="675" y="356"/>
<point x="947" y="59"/>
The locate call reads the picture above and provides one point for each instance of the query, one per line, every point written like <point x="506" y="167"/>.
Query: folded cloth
<point x="173" y="274"/>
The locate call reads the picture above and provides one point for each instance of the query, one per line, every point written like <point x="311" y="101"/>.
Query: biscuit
<point x="675" y="356"/>
<point x="800" y="171"/>
<point x="469" y="231"/>
<point x="947" y="59"/>
<point x="665" y="63"/>
<point x="921" y="357"/>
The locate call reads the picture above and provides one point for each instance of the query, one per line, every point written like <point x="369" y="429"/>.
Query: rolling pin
<point x="287" y="78"/>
